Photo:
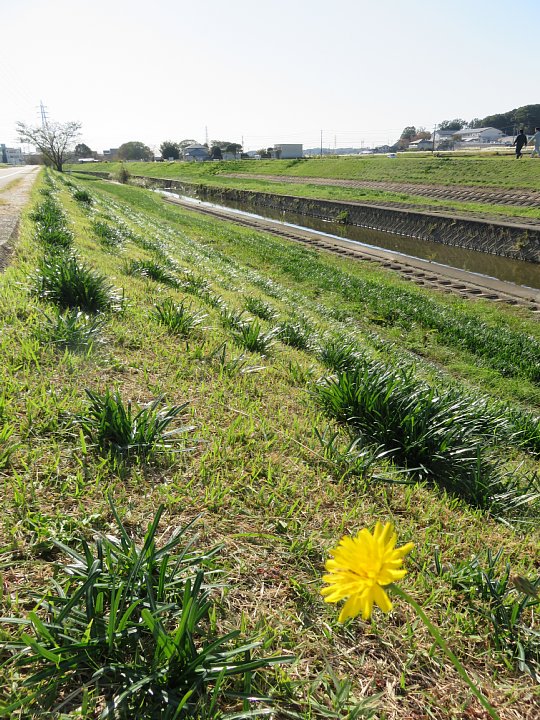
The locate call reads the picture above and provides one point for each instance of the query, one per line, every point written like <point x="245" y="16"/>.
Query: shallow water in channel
<point x="515" y="271"/>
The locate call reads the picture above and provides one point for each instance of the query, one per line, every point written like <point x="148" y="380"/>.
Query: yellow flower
<point x="361" y="566"/>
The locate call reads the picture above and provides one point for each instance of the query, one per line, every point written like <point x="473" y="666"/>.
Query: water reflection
<point x="514" y="271"/>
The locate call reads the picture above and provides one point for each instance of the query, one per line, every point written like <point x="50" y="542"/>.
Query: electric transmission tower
<point x="43" y="111"/>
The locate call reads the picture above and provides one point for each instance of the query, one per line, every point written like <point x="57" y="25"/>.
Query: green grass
<point x="277" y="481"/>
<point x="486" y="170"/>
<point x="482" y="170"/>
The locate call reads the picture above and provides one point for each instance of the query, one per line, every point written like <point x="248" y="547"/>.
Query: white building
<point x="422" y="144"/>
<point x="11" y="156"/>
<point x="478" y="135"/>
<point x="288" y="151"/>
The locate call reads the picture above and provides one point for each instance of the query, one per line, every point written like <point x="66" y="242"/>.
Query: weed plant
<point x="338" y="355"/>
<point x="82" y="196"/>
<point x="231" y="365"/>
<point x="7" y="446"/>
<point x="72" y="330"/>
<point x="178" y="318"/>
<point x="296" y="334"/>
<point x="118" y="432"/>
<point x="152" y="270"/>
<point x="436" y="435"/>
<point x="63" y="280"/>
<point x="506" y="601"/>
<point x="108" y="236"/>
<point x="260" y="308"/>
<point x="252" y="337"/>
<point x="129" y="625"/>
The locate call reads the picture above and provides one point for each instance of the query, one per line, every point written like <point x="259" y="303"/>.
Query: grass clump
<point x="178" y="317"/>
<point x="108" y="236"/>
<point x="68" y="283"/>
<point x="194" y="284"/>
<point x="435" y="434"/>
<point x="83" y="196"/>
<point x="231" y="364"/>
<point x="251" y="336"/>
<point x="72" y="330"/>
<point x="296" y="334"/>
<point x="7" y="447"/>
<point x="338" y="355"/>
<point x="51" y="226"/>
<point x="260" y="308"/>
<point x="122" y="434"/>
<point x="504" y="600"/>
<point x="230" y="318"/>
<point x="152" y="270"/>
<point x="126" y="631"/>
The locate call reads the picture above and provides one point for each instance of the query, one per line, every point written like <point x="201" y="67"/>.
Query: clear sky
<point x="263" y="71"/>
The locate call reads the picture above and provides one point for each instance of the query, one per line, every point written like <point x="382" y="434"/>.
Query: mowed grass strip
<point x="485" y="170"/>
<point x="256" y="470"/>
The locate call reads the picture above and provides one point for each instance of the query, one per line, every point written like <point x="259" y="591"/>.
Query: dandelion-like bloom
<point x="359" y="569"/>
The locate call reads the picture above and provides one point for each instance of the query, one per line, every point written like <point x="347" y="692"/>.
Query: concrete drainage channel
<point x="421" y="272"/>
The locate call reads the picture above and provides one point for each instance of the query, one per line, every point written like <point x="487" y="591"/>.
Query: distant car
<point x="392" y="156"/>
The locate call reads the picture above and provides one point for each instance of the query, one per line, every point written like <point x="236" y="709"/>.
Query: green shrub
<point x="122" y="175"/>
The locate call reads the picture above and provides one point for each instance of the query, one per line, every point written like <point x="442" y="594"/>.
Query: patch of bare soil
<point x="14" y="196"/>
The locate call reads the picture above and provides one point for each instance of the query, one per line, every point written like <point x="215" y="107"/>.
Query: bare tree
<point x="54" y="139"/>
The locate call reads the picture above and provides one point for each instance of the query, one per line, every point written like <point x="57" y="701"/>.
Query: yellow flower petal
<point x="359" y="569"/>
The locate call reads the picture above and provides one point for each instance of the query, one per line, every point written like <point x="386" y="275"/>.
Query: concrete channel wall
<point x="500" y="238"/>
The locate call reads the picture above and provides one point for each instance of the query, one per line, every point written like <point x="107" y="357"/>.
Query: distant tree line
<point x="526" y="117"/>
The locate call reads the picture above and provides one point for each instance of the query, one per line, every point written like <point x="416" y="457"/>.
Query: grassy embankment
<point x="445" y="444"/>
<point x="483" y="171"/>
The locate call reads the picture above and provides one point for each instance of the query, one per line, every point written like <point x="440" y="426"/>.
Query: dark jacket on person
<point x="521" y="140"/>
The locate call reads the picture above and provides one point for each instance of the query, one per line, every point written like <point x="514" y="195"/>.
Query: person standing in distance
<point x="535" y="140"/>
<point x="520" y="142"/>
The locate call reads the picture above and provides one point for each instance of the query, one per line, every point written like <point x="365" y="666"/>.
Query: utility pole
<point x="433" y="144"/>
<point x="206" y="134"/>
<point x="321" y="143"/>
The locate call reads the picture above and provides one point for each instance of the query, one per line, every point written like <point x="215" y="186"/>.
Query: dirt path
<point x="14" y="193"/>
<point x="460" y="193"/>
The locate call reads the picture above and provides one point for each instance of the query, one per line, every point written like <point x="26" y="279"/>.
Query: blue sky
<point x="267" y="72"/>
